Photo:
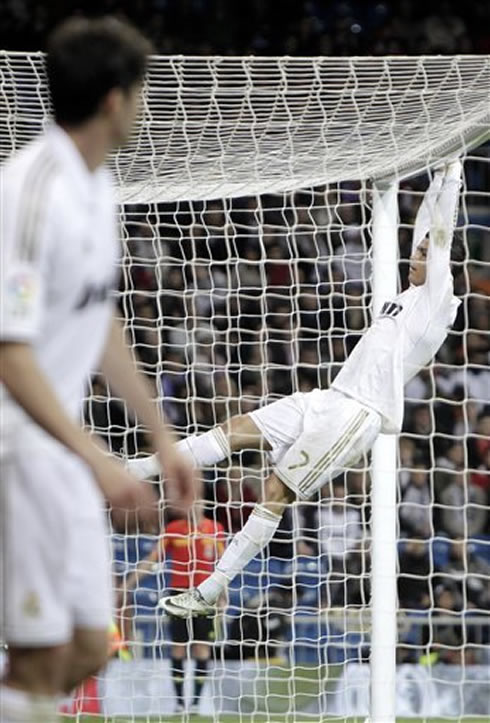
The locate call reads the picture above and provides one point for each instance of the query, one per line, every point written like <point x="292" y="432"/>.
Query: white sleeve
<point x="24" y="240"/>
<point x="437" y="217"/>
<point x="143" y="467"/>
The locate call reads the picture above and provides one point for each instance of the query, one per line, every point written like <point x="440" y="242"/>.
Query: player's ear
<point x="112" y="104"/>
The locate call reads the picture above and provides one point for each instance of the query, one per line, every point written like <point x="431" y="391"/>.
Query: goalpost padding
<point x="246" y="224"/>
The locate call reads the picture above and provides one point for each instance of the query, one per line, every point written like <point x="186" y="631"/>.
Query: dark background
<point x="265" y="27"/>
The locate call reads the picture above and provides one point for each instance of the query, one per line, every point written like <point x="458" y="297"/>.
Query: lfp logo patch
<point x="21" y="293"/>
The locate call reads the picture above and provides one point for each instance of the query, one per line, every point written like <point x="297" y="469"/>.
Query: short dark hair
<point x="458" y="254"/>
<point x="89" y="57"/>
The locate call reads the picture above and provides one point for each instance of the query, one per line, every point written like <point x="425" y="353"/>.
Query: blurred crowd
<point x="233" y="304"/>
<point x="242" y="27"/>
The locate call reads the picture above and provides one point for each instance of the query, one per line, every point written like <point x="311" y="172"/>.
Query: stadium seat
<point x="480" y="546"/>
<point x="145" y="545"/>
<point x="440" y="552"/>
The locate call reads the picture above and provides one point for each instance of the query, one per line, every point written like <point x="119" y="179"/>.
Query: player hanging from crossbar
<point x="311" y="437"/>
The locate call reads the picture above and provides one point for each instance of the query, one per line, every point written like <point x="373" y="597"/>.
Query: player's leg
<point x="179" y="635"/>
<point x="281" y="424"/>
<point x="219" y="443"/>
<point x="89" y="583"/>
<point x="272" y="428"/>
<point x="336" y="432"/>
<point x="201" y="653"/>
<point x="35" y="614"/>
<point x="206" y="449"/>
<point x="255" y="535"/>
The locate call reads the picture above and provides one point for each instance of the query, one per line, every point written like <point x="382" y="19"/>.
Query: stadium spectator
<point x="479" y="441"/>
<point x="463" y="512"/>
<point x="469" y="573"/>
<point x="419" y="425"/>
<point x="339" y="538"/>
<point x="407" y="452"/>
<point x="481" y="475"/>
<point x="447" y="637"/>
<point x="415" y="510"/>
<point x="414" y="583"/>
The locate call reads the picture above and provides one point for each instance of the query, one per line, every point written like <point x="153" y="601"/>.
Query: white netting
<point x="237" y="301"/>
<point x="216" y="127"/>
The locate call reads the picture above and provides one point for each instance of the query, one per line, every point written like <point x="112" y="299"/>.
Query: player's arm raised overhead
<point x="436" y="218"/>
<point x="118" y="366"/>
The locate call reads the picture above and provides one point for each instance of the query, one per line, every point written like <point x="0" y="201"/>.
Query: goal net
<point x="246" y="222"/>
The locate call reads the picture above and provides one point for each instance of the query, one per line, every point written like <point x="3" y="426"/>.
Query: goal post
<point x="263" y="204"/>
<point x="384" y="480"/>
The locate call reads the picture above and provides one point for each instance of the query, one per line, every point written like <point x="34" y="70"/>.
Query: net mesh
<point x="235" y="303"/>
<point x="220" y="127"/>
<point x="245" y="277"/>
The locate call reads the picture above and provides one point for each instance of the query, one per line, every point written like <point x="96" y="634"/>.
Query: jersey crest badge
<point x="31" y="605"/>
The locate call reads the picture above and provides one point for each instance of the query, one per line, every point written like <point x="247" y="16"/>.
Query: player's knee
<point x="241" y="431"/>
<point x="234" y="431"/>
<point x="178" y="652"/>
<point x="201" y="651"/>
<point x="276" y="492"/>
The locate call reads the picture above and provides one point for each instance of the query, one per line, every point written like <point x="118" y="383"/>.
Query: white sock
<point x="19" y="706"/>
<point x="202" y="450"/>
<point x="206" y="449"/>
<point x="143" y="467"/>
<point x="257" y="533"/>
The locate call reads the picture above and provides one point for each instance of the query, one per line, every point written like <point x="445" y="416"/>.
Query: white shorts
<point x="54" y="561"/>
<point x="315" y="436"/>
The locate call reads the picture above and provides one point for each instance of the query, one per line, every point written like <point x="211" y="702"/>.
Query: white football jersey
<point x="58" y="266"/>
<point x="409" y="330"/>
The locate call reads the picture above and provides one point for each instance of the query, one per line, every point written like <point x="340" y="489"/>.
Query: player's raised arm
<point x="436" y="218"/>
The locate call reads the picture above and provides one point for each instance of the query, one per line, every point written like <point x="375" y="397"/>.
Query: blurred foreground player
<point x="58" y="271"/>
<point x="193" y="544"/>
<point x="312" y="437"/>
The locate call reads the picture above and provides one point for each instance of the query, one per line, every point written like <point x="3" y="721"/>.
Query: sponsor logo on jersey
<point x="389" y="308"/>
<point x="94" y="294"/>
